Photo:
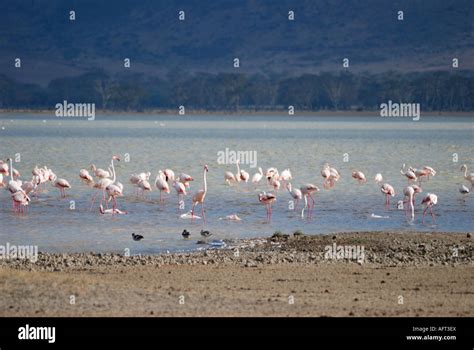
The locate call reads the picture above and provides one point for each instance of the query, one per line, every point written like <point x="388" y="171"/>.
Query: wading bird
<point x="468" y="177"/>
<point x="359" y="176"/>
<point x="201" y="195"/>
<point x="388" y="190"/>
<point x="429" y="201"/>
<point x="295" y="193"/>
<point x="267" y="199"/>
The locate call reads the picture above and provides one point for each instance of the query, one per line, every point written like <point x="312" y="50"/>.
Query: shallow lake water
<point x="186" y="143"/>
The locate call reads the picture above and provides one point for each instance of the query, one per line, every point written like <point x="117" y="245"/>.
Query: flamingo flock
<point x="104" y="183"/>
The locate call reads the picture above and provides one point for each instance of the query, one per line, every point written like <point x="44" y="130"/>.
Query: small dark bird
<point x="186" y="234"/>
<point x="205" y="233"/>
<point x="137" y="237"/>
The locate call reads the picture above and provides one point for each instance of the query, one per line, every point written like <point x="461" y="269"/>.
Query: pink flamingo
<point x="180" y="191"/>
<point x="359" y="176"/>
<point x="430" y="200"/>
<point x="161" y="184"/>
<point x="409" y="174"/>
<point x="201" y="195"/>
<point x="388" y="191"/>
<point x="267" y="199"/>
<point x="115" y="189"/>
<point x="257" y="177"/>
<point x="101" y="185"/>
<point x="169" y="174"/>
<point x="61" y="184"/>
<point x="306" y="190"/>
<point x="295" y="193"/>
<point x="86" y="177"/>
<point x="100" y="173"/>
<point x="20" y="201"/>
<point x="185" y="179"/>
<point x="409" y="193"/>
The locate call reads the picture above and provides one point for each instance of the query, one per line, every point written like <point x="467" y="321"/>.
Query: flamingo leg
<point x="202" y="211"/>
<point x="94" y="196"/>
<point x="192" y="210"/>
<point x="432" y="215"/>
<point x="424" y="213"/>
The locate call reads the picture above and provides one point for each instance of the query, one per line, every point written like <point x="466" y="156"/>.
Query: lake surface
<point x="185" y="144"/>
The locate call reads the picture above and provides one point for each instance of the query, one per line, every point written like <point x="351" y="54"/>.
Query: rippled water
<point x="184" y="144"/>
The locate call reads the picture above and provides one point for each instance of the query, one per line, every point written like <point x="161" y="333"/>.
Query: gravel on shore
<point x="390" y="249"/>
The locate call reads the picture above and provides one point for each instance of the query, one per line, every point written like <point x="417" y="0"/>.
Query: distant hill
<point x="214" y="32"/>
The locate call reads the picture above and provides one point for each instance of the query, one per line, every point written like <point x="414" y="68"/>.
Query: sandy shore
<point x="401" y="274"/>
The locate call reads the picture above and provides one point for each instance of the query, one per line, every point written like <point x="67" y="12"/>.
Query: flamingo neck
<point x="113" y="171"/>
<point x="11" y="169"/>
<point x="205" y="180"/>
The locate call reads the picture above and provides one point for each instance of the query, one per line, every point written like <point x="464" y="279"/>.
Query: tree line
<point x="434" y="90"/>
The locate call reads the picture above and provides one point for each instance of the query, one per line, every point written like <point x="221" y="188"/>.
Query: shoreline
<point x="420" y="267"/>
<point x="202" y="112"/>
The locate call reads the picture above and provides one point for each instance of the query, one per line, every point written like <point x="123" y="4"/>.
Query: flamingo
<point x="1" y="181"/>
<point x="359" y="176"/>
<point x="60" y="183"/>
<point x="464" y="189"/>
<point x="378" y="178"/>
<point x="306" y="191"/>
<point x="430" y="200"/>
<point x="285" y="176"/>
<point x="267" y="199"/>
<point x="144" y="186"/>
<point x="102" y="184"/>
<point x="29" y="186"/>
<point x="169" y="175"/>
<point x="180" y="191"/>
<point x="115" y="189"/>
<point x="275" y="183"/>
<point x="161" y="184"/>
<point x="85" y="177"/>
<point x="272" y="173"/>
<point x="185" y="179"/>
<point x="100" y="173"/>
<point x="14" y="186"/>
<point x="388" y="190"/>
<point x="20" y="201"/>
<point x="110" y="211"/>
<point x="330" y="175"/>
<point x="229" y="177"/>
<point x="409" y="193"/>
<point x="295" y="193"/>
<point x="257" y="177"/>
<point x="470" y="177"/>
<point x="409" y="174"/>
<point x="201" y="195"/>
<point x="4" y="169"/>
<point x="244" y="176"/>
<point x="422" y="173"/>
